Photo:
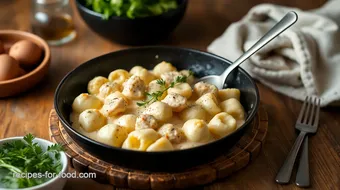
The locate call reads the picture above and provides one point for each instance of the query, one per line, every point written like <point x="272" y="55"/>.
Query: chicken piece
<point x="170" y="77"/>
<point x="202" y="88"/>
<point x="154" y="87"/>
<point x="176" y="102"/>
<point x="145" y="121"/>
<point x="134" y="88"/>
<point x="190" y="77"/>
<point x="113" y="106"/>
<point x="174" y="134"/>
<point x="183" y="89"/>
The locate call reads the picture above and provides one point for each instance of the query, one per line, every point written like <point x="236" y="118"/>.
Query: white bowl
<point x="56" y="183"/>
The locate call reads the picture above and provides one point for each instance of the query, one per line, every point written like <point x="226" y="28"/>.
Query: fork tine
<point x="317" y="114"/>
<point x="305" y="119"/>
<point x="313" y="102"/>
<point x="302" y="111"/>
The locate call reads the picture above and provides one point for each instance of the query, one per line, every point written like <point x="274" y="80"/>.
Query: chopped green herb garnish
<point x="26" y="157"/>
<point x="153" y="97"/>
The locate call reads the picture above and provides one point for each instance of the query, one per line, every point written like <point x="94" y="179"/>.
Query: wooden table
<point x="205" y="20"/>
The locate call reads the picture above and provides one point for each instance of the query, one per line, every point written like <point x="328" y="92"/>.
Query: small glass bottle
<point x="52" y="20"/>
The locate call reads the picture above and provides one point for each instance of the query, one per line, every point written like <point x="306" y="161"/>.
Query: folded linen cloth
<point x="303" y="60"/>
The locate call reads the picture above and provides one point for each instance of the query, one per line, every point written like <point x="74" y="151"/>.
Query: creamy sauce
<point x="133" y="108"/>
<point x="74" y="117"/>
<point x="187" y="144"/>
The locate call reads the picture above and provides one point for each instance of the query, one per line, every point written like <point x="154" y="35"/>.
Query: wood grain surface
<point x="204" y="21"/>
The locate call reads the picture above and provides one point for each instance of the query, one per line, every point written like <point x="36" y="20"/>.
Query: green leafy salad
<point x="26" y="157"/>
<point x="131" y="8"/>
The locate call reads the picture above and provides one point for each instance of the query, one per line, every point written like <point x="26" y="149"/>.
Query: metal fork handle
<point x="285" y="172"/>
<point x="302" y="176"/>
<point x="288" y="20"/>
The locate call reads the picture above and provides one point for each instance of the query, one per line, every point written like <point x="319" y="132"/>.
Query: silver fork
<point x="307" y="123"/>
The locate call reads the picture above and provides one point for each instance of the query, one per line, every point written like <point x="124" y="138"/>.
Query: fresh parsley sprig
<point x="26" y="156"/>
<point x="153" y="97"/>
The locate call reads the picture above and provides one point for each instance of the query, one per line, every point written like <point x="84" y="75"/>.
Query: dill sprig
<point x="153" y="97"/>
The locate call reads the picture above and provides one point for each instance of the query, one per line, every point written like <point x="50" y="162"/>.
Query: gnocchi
<point x="108" y="88"/>
<point x="163" y="67"/>
<point x="155" y="110"/>
<point x="161" y="111"/>
<point x="136" y="69"/>
<point x="222" y="124"/>
<point x="119" y="76"/>
<point x="183" y="89"/>
<point x="209" y="103"/>
<point x="233" y="107"/>
<point x="91" y="120"/>
<point x="112" y="134"/>
<point x="193" y="112"/>
<point x="142" y="73"/>
<point x="162" y="144"/>
<point x="86" y="101"/>
<point x="228" y="93"/>
<point x="128" y="121"/>
<point x="140" y="139"/>
<point x="196" y="130"/>
<point x="95" y="84"/>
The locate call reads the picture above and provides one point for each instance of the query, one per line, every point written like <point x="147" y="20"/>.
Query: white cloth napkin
<point x="304" y="60"/>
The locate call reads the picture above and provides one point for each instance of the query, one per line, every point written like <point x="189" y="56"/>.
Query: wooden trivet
<point x="235" y="159"/>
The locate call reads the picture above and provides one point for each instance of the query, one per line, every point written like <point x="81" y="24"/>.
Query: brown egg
<point x="26" y="52"/>
<point x="21" y="72"/>
<point x="2" y="48"/>
<point x="9" y="67"/>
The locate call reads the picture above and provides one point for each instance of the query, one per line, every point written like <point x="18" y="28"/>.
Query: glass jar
<point x="52" y="20"/>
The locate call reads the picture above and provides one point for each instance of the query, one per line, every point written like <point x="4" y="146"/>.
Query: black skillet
<point x="201" y="63"/>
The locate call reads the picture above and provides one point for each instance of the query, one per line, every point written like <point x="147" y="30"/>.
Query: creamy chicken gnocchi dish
<point x="155" y="110"/>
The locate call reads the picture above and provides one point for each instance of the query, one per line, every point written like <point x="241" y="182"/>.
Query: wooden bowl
<point x="34" y="75"/>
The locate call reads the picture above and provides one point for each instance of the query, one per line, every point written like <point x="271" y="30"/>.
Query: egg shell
<point x="26" y="52"/>
<point x="2" y="48"/>
<point x="22" y="72"/>
<point x="9" y="67"/>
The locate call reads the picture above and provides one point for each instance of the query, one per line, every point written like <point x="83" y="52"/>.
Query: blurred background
<point x="202" y="23"/>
